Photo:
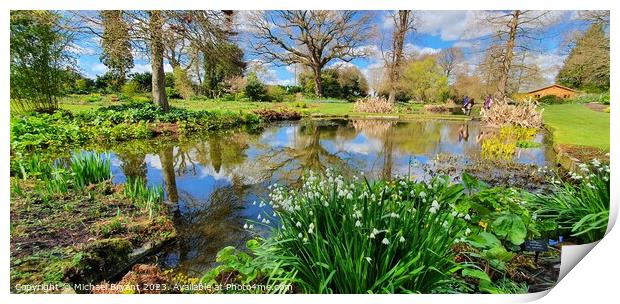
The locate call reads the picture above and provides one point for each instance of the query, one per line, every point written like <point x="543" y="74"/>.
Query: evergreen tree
<point x="587" y="65"/>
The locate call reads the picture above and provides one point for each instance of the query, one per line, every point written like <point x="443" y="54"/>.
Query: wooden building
<point x="554" y="89"/>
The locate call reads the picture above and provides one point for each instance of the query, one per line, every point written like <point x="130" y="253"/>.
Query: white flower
<point x="358" y="224"/>
<point x="349" y="195"/>
<point x="435" y="204"/>
<point x="368" y="259"/>
<point x="251" y="226"/>
<point x="300" y="235"/>
<point x="422" y="194"/>
<point x="467" y="231"/>
<point x="432" y="210"/>
<point x="245" y="226"/>
<point x="311" y="225"/>
<point x="310" y="231"/>
<point x="305" y="240"/>
<point x="402" y="239"/>
<point x="385" y="241"/>
<point x="372" y="235"/>
<point x="394" y="215"/>
<point x="258" y="217"/>
<point x="467" y="217"/>
<point x="298" y="224"/>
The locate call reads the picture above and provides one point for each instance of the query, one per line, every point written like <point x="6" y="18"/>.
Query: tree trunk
<point x="318" y="83"/>
<point x="508" y="54"/>
<point x="167" y="170"/>
<point x="400" y="32"/>
<point x="157" y="60"/>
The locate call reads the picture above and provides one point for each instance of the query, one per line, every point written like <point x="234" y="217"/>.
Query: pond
<point x="212" y="181"/>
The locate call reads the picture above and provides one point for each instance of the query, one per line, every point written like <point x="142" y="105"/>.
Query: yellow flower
<point x="483" y="225"/>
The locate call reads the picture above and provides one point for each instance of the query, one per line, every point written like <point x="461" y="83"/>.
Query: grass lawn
<point x="575" y="124"/>
<point x="331" y="108"/>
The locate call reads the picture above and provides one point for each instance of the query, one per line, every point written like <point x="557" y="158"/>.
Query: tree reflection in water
<point x="211" y="181"/>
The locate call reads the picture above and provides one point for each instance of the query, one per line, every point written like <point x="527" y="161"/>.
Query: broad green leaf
<point x="511" y="227"/>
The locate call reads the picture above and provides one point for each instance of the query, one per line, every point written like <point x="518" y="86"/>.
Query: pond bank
<point x="81" y="237"/>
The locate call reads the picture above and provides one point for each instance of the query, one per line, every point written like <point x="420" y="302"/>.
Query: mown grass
<point x="307" y="107"/>
<point x="575" y="124"/>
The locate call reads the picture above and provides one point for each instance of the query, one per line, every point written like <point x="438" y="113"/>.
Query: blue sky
<point x="435" y="30"/>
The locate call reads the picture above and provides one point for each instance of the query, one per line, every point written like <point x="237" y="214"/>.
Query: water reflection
<point x="211" y="182"/>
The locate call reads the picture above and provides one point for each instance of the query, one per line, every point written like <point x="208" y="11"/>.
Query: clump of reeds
<point x="90" y="168"/>
<point x="373" y="105"/>
<point x="143" y="196"/>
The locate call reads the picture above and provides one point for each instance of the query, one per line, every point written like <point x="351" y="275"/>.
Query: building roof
<point x="553" y="85"/>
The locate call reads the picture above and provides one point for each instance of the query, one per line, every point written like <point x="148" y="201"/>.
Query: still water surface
<point x="212" y="181"/>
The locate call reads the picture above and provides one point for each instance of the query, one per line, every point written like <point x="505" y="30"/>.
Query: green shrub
<point x="94" y="97"/>
<point x="340" y="237"/>
<point x="254" y="89"/>
<point x="173" y="93"/>
<point x="551" y="99"/>
<point x="591" y="97"/>
<point x="130" y="89"/>
<point x="276" y="93"/>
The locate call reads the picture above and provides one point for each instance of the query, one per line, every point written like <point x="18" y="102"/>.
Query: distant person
<point x="467" y="108"/>
<point x="488" y="102"/>
<point x="465" y="103"/>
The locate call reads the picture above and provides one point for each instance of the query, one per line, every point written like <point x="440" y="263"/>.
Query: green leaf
<point x="511" y="227"/>
<point x="225" y="254"/>
<point x="475" y="273"/>
<point x="484" y="240"/>
<point x="252" y="244"/>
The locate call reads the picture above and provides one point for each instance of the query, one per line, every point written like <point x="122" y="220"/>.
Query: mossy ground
<point x="78" y="237"/>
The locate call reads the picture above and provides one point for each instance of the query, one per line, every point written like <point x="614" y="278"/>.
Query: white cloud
<point x="81" y="50"/>
<point x="449" y="25"/>
<point x="99" y="68"/>
<point x="146" y="67"/>
<point x="466" y="25"/>
<point x="388" y="21"/>
<point x="549" y="64"/>
<point x="463" y="44"/>
<point x="420" y="50"/>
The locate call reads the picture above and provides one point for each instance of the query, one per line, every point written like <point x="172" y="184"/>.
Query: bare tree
<point x="448" y="59"/>
<point x="309" y="38"/>
<point x="515" y="30"/>
<point x="156" y="22"/>
<point x="597" y="17"/>
<point x="403" y="24"/>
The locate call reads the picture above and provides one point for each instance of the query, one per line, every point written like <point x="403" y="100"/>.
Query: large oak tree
<point x="309" y="38"/>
